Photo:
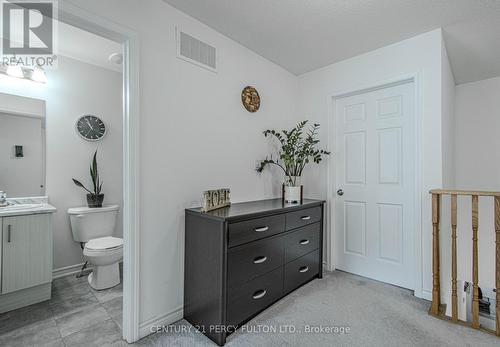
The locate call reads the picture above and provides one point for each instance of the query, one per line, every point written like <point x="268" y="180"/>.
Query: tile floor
<point x="76" y="315"/>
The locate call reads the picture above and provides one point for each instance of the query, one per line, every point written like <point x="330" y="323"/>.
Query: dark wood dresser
<point x="241" y="259"/>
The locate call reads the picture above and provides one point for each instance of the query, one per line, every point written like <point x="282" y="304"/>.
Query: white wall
<point x="477" y="168"/>
<point x="421" y="55"/>
<point x="21" y="176"/>
<point x="76" y="88"/>
<point x="448" y="119"/>
<point x="195" y="135"/>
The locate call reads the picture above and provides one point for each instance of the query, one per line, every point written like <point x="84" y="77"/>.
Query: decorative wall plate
<point x="251" y="99"/>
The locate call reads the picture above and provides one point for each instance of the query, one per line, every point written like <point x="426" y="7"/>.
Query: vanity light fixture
<point x="38" y="75"/>
<point x="15" y="71"/>
<point x="35" y="74"/>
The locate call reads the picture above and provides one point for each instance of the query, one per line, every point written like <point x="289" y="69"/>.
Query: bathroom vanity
<point x="25" y="253"/>
<point x="243" y="258"/>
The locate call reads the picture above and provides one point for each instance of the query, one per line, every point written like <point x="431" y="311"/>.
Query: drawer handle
<point x="304" y="242"/>
<point x="259" y="294"/>
<point x="304" y="269"/>
<point x="305" y="217"/>
<point x="266" y="228"/>
<point x="259" y="260"/>
<point x="9" y="229"/>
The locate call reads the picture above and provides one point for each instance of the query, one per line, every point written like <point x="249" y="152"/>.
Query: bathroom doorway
<point x="85" y="20"/>
<point x="76" y="309"/>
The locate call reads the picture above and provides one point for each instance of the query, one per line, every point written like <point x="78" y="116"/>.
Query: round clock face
<point x="90" y="128"/>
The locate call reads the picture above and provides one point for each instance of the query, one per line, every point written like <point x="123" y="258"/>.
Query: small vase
<point x="292" y="189"/>
<point x="95" y="201"/>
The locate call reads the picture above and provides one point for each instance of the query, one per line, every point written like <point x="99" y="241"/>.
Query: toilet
<point x="95" y="227"/>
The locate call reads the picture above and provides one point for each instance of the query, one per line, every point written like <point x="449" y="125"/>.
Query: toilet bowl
<point x="105" y="253"/>
<point x="94" y="227"/>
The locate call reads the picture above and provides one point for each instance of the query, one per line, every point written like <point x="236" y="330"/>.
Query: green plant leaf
<point x="297" y="148"/>
<point x="79" y="184"/>
<point x="94" y="175"/>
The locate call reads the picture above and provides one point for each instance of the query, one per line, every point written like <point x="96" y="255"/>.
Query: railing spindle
<point x="497" y="265"/>
<point x="436" y="300"/>
<point x="475" y="275"/>
<point x="436" y="294"/>
<point x="454" y="299"/>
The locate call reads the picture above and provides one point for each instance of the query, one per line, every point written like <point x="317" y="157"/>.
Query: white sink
<point x="24" y="206"/>
<point x="18" y="207"/>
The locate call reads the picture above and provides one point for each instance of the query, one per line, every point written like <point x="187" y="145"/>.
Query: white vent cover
<point x="196" y="51"/>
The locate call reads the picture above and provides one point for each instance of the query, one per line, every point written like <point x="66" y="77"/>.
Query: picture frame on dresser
<point x="241" y="259"/>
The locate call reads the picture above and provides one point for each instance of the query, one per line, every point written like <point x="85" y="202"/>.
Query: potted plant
<point x="94" y="198"/>
<point x="298" y="149"/>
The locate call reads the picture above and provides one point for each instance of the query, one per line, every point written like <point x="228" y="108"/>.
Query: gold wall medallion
<point x="251" y="99"/>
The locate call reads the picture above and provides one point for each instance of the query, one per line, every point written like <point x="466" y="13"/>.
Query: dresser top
<point x="250" y="209"/>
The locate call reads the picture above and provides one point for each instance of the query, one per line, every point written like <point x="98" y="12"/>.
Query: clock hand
<point x="89" y="124"/>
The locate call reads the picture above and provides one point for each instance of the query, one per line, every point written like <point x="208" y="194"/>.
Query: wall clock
<point x="90" y="128"/>
<point x="251" y="99"/>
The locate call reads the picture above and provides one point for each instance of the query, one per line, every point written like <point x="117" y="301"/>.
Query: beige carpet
<point x="376" y="314"/>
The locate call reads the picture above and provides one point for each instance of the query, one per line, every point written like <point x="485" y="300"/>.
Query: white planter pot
<point x="292" y="194"/>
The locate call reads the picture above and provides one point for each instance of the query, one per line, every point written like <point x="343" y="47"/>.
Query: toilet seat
<point x="104" y="253"/>
<point x="104" y="244"/>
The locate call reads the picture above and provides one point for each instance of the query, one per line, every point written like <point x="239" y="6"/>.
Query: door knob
<point x="340" y="192"/>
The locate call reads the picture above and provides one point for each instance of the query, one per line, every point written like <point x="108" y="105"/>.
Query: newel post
<point x="436" y="299"/>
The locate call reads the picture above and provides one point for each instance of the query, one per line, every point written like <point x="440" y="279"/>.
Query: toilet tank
<point x="91" y="223"/>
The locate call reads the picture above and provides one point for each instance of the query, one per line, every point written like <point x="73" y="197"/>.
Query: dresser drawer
<point x="254" y="229"/>
<point x="303" y="217"/>
<point x="301" y="270"/>
<point x="254" y="296"/>
<point x="254" y="259"/>
<point x="302" y="241"/>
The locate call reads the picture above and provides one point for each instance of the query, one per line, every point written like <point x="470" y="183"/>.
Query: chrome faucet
<point x="3" y="198"/>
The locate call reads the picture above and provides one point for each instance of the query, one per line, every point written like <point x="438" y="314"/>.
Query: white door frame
<point x="83" y="19"/>
<point x="416" y="78"/>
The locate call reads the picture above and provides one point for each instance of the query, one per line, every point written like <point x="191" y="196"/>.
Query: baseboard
<point x="25" y="297"/>
<point x="68" y="270"/>
<point x="148" y="327"/>
<point x="427" y="295"/>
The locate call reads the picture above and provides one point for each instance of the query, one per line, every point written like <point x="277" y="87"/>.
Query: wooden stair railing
<point x="436" y="286"/>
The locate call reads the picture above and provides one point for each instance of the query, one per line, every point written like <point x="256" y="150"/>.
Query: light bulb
<point x="38" y="75"/>
<point x="15" y="71"/>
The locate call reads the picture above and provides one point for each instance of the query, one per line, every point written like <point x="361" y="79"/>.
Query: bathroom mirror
<point x="22" y="146"/>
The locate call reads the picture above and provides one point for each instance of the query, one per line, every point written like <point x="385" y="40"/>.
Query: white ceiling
<point x="303" y="35"/>
<point x="87" y="47"/>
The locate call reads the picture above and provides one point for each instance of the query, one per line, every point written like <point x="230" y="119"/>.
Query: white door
<point x="374" y="156"/>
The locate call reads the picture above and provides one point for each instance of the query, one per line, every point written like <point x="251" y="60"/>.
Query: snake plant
<point x="94" y="174"/>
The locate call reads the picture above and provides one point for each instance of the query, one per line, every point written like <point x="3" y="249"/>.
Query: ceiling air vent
<point x="196" y="51"/>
